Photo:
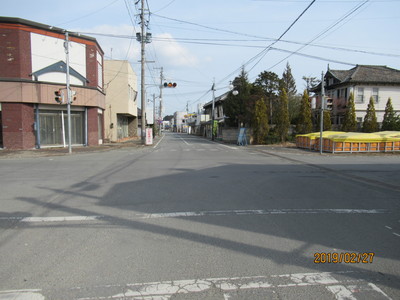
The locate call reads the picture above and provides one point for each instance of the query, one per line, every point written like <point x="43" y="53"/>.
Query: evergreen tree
<point x="389" y="119"/>
<point x="350" y="121"/>
<point x="235" y="106"/>
<point x="269" y="82"/>
<point x="311" y="82"/>
<point x="282" y="118"/>
<point x="327" y="121"/>
<point x="370" y="123"/>
<point x="288" y="82"/>
<point x="304" y="124"/>
<point x="260" y="122"/>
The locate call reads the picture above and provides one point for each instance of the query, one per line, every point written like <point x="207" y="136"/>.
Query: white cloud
<point x="170" y="52"/>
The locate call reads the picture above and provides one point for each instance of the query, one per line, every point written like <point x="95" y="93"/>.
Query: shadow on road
<point x="249" y="187"/>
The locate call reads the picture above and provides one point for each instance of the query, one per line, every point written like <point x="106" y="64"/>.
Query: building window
<point x="54" y="128"/>
<point x="360" y="95"/>
<point x="99" y="70"/>
<point x="375" y="94"/>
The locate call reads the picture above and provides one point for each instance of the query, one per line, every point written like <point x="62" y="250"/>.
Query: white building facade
<point x="378" y="82"/>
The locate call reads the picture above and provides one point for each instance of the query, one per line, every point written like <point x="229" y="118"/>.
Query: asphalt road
<point x="192" y="219"/>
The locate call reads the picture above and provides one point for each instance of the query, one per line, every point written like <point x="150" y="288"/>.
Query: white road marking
<point x="395" y="233"/>
<point x="341" y="292"/>
<point x="159" y="141"/>
<point x="184" y="141"/>
<point x="21" y="295"/>
<point x="199" y="214"/>
<point x="378" y="290"/>
<point x="230" y="147"/>
<point x="52" y="219"/>
<point x="166" y="289"/>
<point x="258" y="212"/>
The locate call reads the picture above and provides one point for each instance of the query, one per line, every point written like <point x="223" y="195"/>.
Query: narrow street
<point x="188" y="218"/>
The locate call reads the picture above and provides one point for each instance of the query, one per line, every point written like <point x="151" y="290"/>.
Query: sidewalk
<point x="59" y="151"/>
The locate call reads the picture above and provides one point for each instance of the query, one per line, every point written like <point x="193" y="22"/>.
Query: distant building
<point x="219" y="116"/>
<point x="121" y="112"/>
<point x="32" y="69"/>
<point x="196" y="119"/>
<point x="364" y="81"/>
<point x="180" y="121"/>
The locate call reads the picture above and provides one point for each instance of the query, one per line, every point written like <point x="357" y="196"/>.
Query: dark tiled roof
<point x="367" y="74"/>
<point x="217" y="99"/>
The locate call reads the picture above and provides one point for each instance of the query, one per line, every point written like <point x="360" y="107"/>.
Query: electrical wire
<point x="325" y="31"/>
<point x="165" y="6"/>
<point x="291" y="25"/>
<point x="88" y="15"/>
<point x="199" y="41"/>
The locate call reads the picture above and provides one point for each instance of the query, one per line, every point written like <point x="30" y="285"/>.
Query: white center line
<point x="184" y="141"/>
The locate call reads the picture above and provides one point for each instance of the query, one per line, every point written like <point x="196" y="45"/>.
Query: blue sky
<point x="197" y="42"/>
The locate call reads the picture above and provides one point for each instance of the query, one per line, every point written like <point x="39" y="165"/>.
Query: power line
<point x="165" y="6"/>
<point x="353" y="10"/>
<point x="291" y="25"/>
<point x="88" y="15"/>
<point x="204" y="26"/>
<point x="204" y="42"/>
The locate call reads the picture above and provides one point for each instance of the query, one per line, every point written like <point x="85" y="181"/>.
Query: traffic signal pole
<point x="161" y="88"/>
<point x="321" y="121"/>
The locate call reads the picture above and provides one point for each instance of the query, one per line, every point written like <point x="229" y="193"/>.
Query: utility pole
<point x="142" y="77"/>
<point x="212" y="110"/>
<point x="321" y="123"/>
<point x="66" y="47"/>
<point x="154" y="114"/>
<point x="161" y="88"/>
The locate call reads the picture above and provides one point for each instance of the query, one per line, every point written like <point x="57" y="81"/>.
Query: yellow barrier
<point x="336" y="141"/>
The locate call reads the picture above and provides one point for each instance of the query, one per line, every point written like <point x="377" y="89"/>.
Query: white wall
<point x="48" y="50"/>
<point x="384" y="93"/>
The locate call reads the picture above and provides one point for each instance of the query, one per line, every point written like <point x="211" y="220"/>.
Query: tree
<point x="260" y="122"/>
<point x="168" y="118"/>
<point x="288" y="82"/>
<point x="389" y="119"/>
<point x="294" y="108"/>
<point x="350" y="121"/>
<point x="304" y="124"/>
<point x="327" y="121"/>
<point x="282" y="118"/>
<point x="235" y="106"/>
<point x="269" y="82"/>
<point x="311" y="82"/>
<point x="370" y="123"/>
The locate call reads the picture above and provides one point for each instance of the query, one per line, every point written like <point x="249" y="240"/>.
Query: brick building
<point x="32" y="69"/>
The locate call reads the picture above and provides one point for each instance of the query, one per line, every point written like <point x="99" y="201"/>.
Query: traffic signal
<point x="329" y="104"/>
<point x="59" y="96"/>
<point x="170" y="84"/>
